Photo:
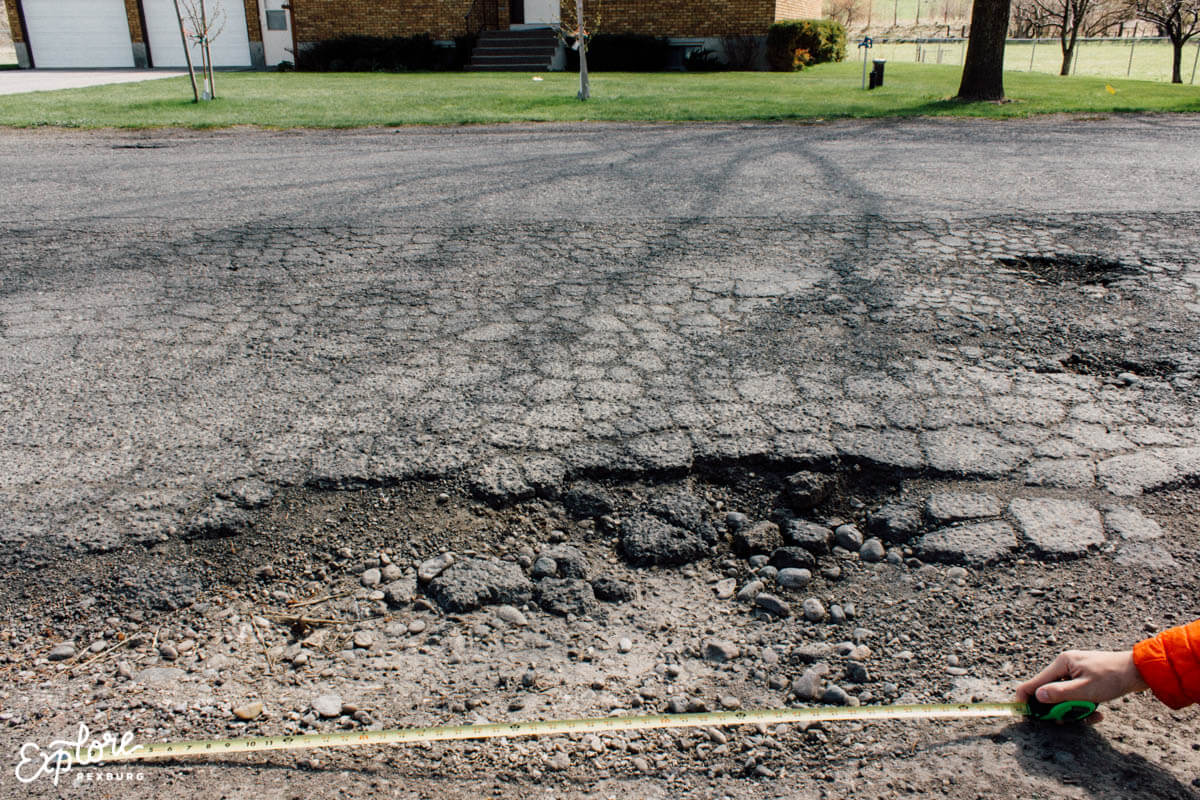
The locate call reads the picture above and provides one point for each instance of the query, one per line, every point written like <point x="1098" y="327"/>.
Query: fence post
<point x="1132" y="43"/>
<point x="1194" y="60"/>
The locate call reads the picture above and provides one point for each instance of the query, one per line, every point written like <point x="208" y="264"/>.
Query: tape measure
<point x="1062" y="712"/>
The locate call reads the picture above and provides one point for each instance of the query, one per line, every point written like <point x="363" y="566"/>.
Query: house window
<point x="277" y="20"/>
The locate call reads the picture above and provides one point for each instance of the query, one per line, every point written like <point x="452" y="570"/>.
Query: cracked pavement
<point x="524" y="306"/>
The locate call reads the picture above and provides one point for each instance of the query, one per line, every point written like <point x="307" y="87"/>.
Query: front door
<point x="276" y="18"/>
<point x="536" y="13"/>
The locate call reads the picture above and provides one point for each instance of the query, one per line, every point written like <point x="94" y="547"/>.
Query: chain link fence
<point x="1141" y="58"/>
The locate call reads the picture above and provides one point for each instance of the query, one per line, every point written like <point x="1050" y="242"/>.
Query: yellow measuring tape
<point x="495" y="730"/>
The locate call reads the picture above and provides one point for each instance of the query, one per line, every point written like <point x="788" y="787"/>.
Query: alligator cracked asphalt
<point x="182" y="310"/>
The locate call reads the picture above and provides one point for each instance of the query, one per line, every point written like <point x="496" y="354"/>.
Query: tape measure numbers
<point x="1061" y="712"/>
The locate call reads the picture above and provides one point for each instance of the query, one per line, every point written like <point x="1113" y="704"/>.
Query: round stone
<point x="814" y="609"/>
<point x="328" y="706"/>
<point x="848" y="536"/>
<point x="791" y="578"/>
<point x="62" y="652"/>
<point x="872" y="551"/>
<point x="773" y="605"/>
<point x="249" y="711"/>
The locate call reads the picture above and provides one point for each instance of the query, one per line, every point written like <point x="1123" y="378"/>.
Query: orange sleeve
<point x="1170" y="664"/>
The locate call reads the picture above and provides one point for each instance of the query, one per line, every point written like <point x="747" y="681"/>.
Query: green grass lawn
<point x="364" y="99"/>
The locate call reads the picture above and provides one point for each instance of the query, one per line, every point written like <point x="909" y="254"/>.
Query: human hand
<point x="1092" y="675"/>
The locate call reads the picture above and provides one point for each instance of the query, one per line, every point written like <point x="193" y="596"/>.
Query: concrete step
<point x="515" y="67"/>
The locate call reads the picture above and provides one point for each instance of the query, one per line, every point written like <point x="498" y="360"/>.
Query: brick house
<point x="261" y="33"/>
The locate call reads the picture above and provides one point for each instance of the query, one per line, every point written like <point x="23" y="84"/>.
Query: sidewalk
<point x="43" y="80"/>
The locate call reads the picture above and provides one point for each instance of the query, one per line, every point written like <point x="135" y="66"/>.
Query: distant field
<point x="907" y="12"/>
<point x="1108" y="59"/>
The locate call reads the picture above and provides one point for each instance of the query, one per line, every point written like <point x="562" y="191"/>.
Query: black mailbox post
<point x="876" y="78"/>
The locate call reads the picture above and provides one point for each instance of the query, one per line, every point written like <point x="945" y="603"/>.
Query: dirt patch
<point x="903" y="630"/>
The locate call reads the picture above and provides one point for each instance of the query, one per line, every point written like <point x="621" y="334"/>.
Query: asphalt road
<point x="183" y="311"/>
<point x="904" y="169"/>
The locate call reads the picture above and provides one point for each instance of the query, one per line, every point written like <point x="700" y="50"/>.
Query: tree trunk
<point x="187" y="54"/>
<point x="983" y="70"/>
<point x="585" y="90"/>
<point x="1176" y="61"/>
<point x="1068" y="47"/>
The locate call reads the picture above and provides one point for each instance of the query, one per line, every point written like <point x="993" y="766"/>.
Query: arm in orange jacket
<point x="1170" y="664"/>
<point x="1167" y="664"/>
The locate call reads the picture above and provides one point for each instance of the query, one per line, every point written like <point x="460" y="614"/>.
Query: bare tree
<point x="1178" y="20"/>
<point x="581" y="43"/>
<point x="983" y="67"/>
<point x="207" y="20"/>
<point x="845" y="11"/>
<point x="1028" y="19"/>
<point x="1067" y="16"/>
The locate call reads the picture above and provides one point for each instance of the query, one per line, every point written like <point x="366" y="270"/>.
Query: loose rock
<point x="773" y="605"/>
<point x="328" y="706"/>
<point x="760" y="538"/>
<point x="474" y="582"/>
<point x="793" y="578"/>
<point x="809" y="535"/>
<point x="750" y="591"/>
<point x="814" y="609"/>
<point x="792" y="558"/>
<point x="806" y="490"/>
<point x="563" y="596"/>
<point x="612" y="590"/>
<point x="62" y="652"/>
<point x="647" y="540"/>
<point x="434" y="567"/>
<point x="720" y="651"/>
<point x="848" y="536"/>
<point x="249" y="711"/>
<point x="896" y="522"/>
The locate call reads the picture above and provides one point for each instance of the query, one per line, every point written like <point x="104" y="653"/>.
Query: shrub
<point x="623" y="52"/>
<point x="376" y="54"/>
<point x="742" y="52"/>
<point x="699" y="59"/>
<point x="795" y="44"/>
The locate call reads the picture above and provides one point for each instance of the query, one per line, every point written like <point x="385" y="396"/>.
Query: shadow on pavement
<point x="1083" y="757"/>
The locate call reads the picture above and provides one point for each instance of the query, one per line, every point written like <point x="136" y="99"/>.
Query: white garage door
<point x="231" y="48"/>
<point x="78" y="33"/>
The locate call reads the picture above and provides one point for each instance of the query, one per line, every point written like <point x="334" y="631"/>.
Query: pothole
<point x="1110" y="366"/>
<point x="1057" y="269"/>
<point x="416" y="605"/>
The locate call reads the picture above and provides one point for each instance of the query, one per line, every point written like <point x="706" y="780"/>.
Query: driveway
<point x="18" y="81"/>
